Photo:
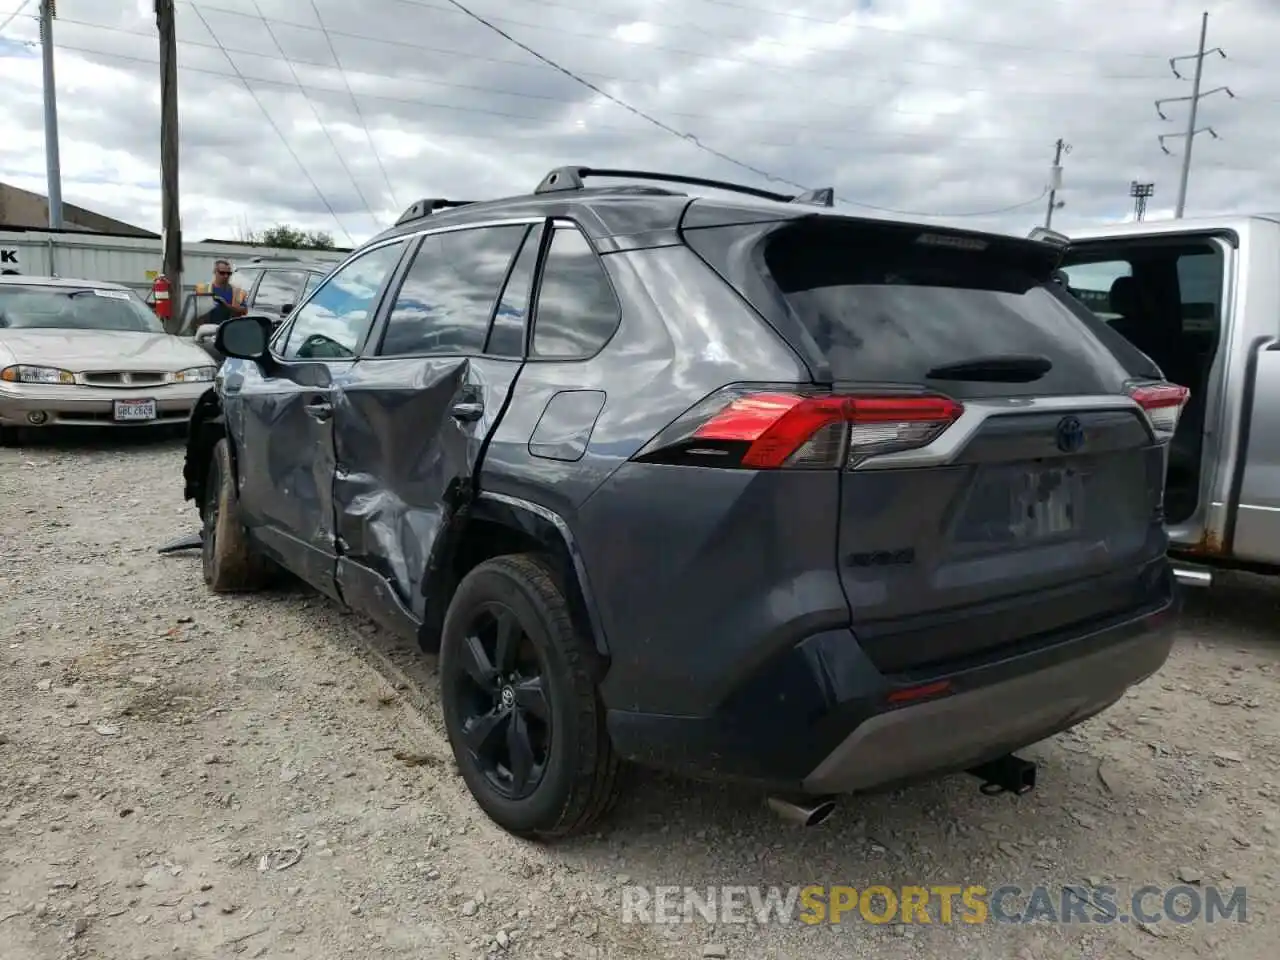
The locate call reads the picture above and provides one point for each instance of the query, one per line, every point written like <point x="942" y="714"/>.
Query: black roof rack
<point x="567" y="179"/>
<point x="428" y="206"/>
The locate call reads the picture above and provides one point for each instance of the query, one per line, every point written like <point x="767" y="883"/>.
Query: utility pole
<point x="1055" y="181"/>
<point x="170" y="212"/>
<point x="1140" y="193"/>
<point x="1194" y="99"/>
<point x="53" y="164"/>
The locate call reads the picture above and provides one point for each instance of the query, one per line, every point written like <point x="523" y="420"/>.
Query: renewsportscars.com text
<point x="934" y="904"/>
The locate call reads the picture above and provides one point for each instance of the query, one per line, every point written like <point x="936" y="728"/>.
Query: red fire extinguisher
<point x="162" y="305"/>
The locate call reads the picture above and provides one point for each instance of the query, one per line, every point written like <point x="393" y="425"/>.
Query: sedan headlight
<point x="193" y="375"/>
<point x="23" y="373"/>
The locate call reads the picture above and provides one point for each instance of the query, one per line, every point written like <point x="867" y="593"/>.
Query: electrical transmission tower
<point x="1140" y="193"/>
<point x="1194" y="100"/>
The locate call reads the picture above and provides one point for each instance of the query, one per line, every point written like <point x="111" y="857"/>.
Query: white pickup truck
<point x="1201" y="298"/>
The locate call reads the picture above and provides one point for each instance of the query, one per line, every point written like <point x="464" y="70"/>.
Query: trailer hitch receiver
<point x="1009" y="774"/>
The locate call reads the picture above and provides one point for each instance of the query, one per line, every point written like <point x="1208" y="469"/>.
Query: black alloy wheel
<point x="503" y="705"/>
<point x="519" y="688"/>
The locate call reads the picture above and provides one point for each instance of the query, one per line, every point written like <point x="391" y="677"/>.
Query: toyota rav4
<point x="741" y="488"/>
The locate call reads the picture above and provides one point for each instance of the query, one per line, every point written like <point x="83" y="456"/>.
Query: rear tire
<point x="231" y="565"/>
<point x="545" y="691"/>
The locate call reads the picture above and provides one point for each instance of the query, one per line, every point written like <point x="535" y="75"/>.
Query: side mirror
<point x="286" y="309"/>
<point x="206" y="332"/>
<point x="244" y="338"/>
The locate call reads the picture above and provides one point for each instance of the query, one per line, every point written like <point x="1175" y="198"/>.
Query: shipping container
<point x="132" y="261"/>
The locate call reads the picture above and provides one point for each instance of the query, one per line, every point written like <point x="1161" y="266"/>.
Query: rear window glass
<point x="886" y="307"/>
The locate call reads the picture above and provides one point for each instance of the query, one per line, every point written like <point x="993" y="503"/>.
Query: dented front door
<point x="412" y="416"/>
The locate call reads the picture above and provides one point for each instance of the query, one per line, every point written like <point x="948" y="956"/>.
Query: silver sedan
<point x="87" y="353"/>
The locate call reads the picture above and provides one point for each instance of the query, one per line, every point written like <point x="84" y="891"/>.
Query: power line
<point x="690" y="138"/>
<point x="274" y="126"/>
<point x="319" y="119"/>
<point x="355" y="102"/>
<point x="773" y="11"/>
<point x="862" y="27"/>
<point x="14" y="16"/>
<point x="613" y="77"/>
<point x="508" y="115"/>
<point x="1003" y="90"/>
<point x="1194" y="100"/>
<point x="246" y="80"/>
<point x="798" y="126"/>
<point x="757" y="64"/>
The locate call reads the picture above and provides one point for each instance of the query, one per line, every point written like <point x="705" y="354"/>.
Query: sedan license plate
<point x="131" y="411"/>
<point x="1045" y="503"/>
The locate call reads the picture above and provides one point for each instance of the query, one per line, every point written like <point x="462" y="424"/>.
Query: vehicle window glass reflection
<point x="577" y="310"/>
<point x="332" y="323"/>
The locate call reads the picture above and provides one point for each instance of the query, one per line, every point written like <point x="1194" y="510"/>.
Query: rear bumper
<point x="965" y="729"/>
<point x="821" y="720"/>
<point x="93" y="406"/>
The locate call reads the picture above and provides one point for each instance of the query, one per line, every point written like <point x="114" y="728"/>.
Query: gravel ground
<point x="189" y="776"/>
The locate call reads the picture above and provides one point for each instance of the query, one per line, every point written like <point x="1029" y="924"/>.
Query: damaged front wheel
<point x="231" y="564"/>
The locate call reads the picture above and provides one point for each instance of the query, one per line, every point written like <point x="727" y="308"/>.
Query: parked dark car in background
<point x="739" y="488"/>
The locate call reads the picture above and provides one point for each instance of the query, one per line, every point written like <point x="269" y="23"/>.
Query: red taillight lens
<point x="771" y="429"/>
<point x="1162" y="403"/>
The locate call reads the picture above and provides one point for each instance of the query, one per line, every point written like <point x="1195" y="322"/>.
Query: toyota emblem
<point x="1070" y="434"/>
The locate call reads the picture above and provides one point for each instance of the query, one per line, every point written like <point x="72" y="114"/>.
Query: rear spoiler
<point x="1060" y="241"/>
<point x="1046" y="235"/>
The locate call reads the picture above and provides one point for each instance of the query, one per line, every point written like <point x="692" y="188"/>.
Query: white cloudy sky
<point x="934" y="106"/>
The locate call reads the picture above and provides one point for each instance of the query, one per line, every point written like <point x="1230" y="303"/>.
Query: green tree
<point x="292" y="238"/>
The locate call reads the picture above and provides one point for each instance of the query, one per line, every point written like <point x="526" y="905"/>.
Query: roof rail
<point x="568" y="179"/>
<point x="428" y="206"/>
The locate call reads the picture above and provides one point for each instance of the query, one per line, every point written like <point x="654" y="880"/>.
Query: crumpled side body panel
<point x="408" y="438"/>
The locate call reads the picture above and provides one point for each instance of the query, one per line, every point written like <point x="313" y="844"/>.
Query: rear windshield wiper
<point x="1010" y="368"/>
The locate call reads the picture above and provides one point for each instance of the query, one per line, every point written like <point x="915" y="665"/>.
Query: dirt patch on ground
<point x="189" y="776"/>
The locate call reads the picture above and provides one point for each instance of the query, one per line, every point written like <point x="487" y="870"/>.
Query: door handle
<point x="467" y="410"/>
<point x="320" y="410"/>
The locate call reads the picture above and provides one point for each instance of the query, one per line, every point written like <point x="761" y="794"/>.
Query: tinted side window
<point x="447" y="297"/>
<point x="506" y="336"/>
<point x="577" y="310"/>
<point x="278" y="288"/>
<point x="331" y="324"/>
<point x="1200" y="290"/>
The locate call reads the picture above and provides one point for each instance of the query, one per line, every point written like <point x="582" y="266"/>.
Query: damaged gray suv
<point x="739" y="488"/>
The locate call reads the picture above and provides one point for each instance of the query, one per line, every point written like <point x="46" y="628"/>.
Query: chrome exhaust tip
<point x="1193" y="577"/>
<point x="807" y="812"/>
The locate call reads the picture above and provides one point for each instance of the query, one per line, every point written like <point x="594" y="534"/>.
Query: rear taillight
<point x="773" y="429"/>
<point x="1162" y="403"/>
